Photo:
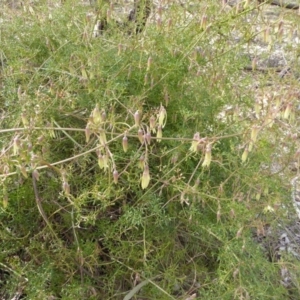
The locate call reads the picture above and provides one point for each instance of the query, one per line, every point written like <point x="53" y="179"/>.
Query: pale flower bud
<point x="116" y="176"/>
<point x="254" y="133"/>
<point x="35" y="174"/>
<point x="195" y="142"/>
<point x="125" y="143"/>
<point x="162" y="115"/>
<point x="87" y="133"/>
<point x="24" y="120"/>
<point x="245" y="155"/>
<point x="145" y="180"/>
<point x="149" y="63"/>
<point x="287" y="111"/>
<point x="207" y="157"/>
<point x="102" y="137"/>
<point x="152" y="124"/>
<point x="16" y="145"/>
<point x="148" y="137"/>
<point x="141" y="162"/>
<point x="66" y="187"/>
<point x="96" y="116"/>
<point x="141" y="135"/>
<point x="137" y="118"/>
<point x="159" y="134"/>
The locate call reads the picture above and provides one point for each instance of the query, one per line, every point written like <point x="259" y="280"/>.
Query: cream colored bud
<point x="66" y="187"/>
<point x="16" y="145"/>
<point x="149" y="62"/>
<point x="245" y="154"/>
<point x="145" y="180"/>
<point x="116" y="176"/>
<point x="162" y="116"/>
<point x="96" y="115"/>
<point x="36" y="174"/>
<point x="239" y="233"/>
<point x="125" y="143"/>
<point x="141" y="162"/>
<point x="203" y="23"/>
<point x="87" y="133"/>
<point x="254" y="133"/>
<point x="287" y="111"/>
<point x="24" y="120"/>
<point x="141" y="136"/>
<point x="102" y="137"/>
<point x="195" y="142"/>
<point x="152" y="124"/>
<point x="148" y="137"/>
<point x="159" y="134"/>
<point x="207" y="157"/>
<point x="137" y="118"/>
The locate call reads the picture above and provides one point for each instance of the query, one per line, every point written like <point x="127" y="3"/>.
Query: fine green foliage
<point x="137" y="159"/>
